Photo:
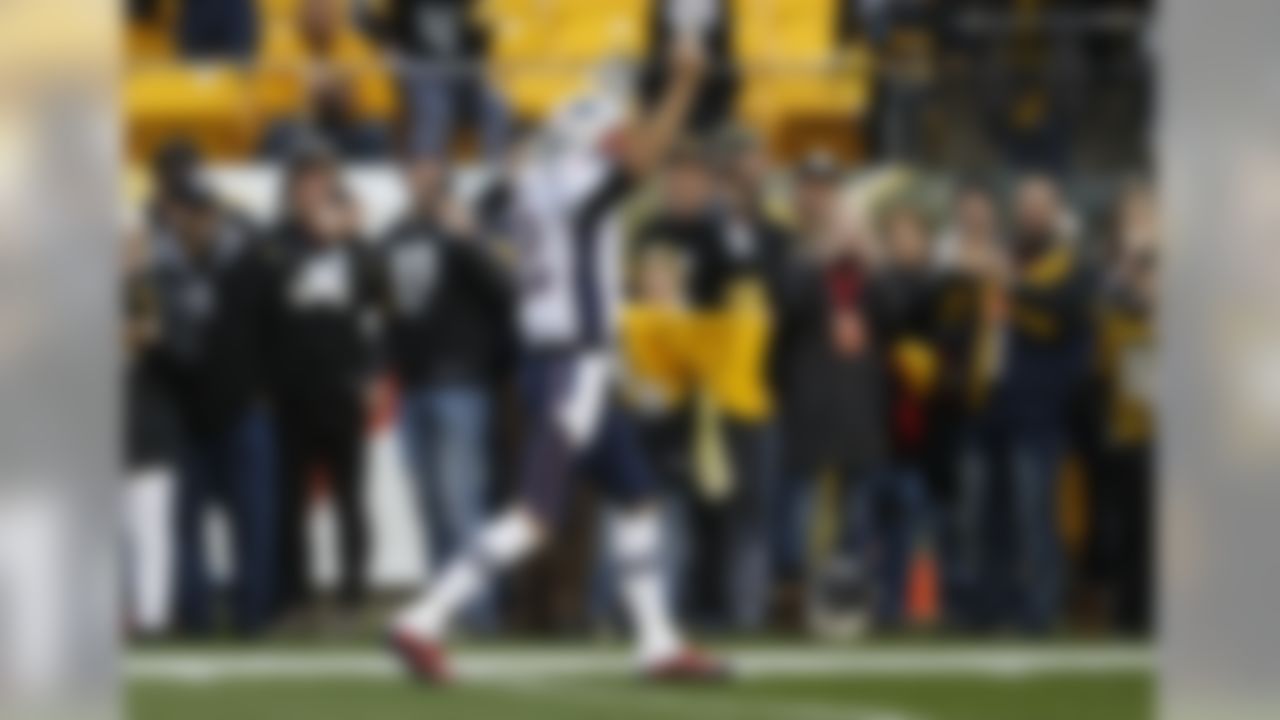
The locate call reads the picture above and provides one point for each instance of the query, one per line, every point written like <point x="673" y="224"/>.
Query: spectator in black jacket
<point x="151" y="446"/>
<point x="745" y="167"/>
<point x="324" y="293"/>
<point x="1127" y="351"/>
<point x="830" y="373"/>
<point x="967" y="337"/>
<point x="449" y="337"/>
<point x="723" y="251"/>
<point x="904" y="287"/>
<point x="209" y="284"/>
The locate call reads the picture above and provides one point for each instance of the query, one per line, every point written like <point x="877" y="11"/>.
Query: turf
<point x="1121" y="695"/>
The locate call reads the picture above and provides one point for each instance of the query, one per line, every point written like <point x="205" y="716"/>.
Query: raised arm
<point x="654" y="134"/>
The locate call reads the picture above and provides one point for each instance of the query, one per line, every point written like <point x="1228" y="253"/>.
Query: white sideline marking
<point x="524" y="665"/>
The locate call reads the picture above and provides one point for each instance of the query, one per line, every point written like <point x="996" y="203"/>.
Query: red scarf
<point x="845" y="283"/>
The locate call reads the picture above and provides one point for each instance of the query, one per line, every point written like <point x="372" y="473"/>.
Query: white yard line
<point x="524" y="665"/>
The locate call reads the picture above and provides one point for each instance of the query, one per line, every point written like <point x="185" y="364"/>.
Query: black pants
<point x="727" y="582"/>
<point x="1126" y="528"/>
<point x="322" y="440"/>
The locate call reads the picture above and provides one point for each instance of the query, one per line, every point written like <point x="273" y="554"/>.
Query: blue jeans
<point x="882" y="512"/>
<point x="432" y="98"/>
<point x="1012" y="556"/>
<point x="791" y="508"/>
<point x="445" y="435"/>
<point x="753" y="450"/>
<point x="237" y="468"/>
<point x="899" y="509"/>
<point x="1036" y="458"/>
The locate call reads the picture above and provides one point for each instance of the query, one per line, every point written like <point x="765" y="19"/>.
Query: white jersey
<point x="569" y="249"/>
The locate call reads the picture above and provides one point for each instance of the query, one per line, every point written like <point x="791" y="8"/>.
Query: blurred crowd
<point x="836" y="389"/>
<point x="878" y="395"/>
<point x="1056" y="84"/>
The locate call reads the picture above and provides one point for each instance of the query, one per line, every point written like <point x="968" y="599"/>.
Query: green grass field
<point x="776" y="682"/>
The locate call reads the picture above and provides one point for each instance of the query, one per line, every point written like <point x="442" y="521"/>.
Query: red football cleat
<point x="690" y="665"/>
<point x="425" y="660"/>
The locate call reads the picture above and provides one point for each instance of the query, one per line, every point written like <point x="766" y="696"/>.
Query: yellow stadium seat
<point x="788" y="49"/>
<point x="207" y="104"/>
<point x="272" y="10"/>
<point x="546" y="50"/>
<point x="543" y="51"/>
<point x="496" y="11"/>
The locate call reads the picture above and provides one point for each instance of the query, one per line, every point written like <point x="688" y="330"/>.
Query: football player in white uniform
<point x="564" y="192"/>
